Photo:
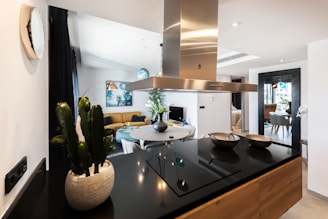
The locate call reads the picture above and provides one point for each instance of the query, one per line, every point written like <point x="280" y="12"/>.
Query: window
<point x="278" y="92"/>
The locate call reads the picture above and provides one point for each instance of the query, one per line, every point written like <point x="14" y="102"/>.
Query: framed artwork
<point x="117" y="95"/>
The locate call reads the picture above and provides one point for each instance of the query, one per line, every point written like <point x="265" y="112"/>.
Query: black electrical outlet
<point x="15" y="174"/>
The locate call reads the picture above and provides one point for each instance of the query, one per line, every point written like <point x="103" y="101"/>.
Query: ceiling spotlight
<point x="235" y="24"/>
<point x="281" y="60"/>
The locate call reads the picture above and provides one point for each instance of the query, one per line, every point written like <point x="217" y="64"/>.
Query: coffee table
<point x="125" y="133"/>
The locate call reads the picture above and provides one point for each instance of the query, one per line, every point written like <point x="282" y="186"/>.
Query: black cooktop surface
<point x="184" y="176"/>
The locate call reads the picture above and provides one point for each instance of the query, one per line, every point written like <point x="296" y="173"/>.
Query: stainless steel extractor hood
<point x="190" y="41"/>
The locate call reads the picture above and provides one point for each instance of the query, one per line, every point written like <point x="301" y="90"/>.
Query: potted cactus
<point x="87" y="144"/>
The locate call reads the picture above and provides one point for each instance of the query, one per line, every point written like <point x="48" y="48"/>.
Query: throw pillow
<point x="108" y="120"/>
<point x="136" y="118"/>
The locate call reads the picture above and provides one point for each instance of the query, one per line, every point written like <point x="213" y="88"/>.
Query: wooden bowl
<point x="259" y="141"/>
<point x="224" y="140"/>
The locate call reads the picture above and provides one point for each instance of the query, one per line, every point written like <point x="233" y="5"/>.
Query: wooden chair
<point x="267" y="109"/>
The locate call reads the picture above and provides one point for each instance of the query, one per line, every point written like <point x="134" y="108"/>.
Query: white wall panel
<point x="24" y="99"/>
<point x="318" y="106"/>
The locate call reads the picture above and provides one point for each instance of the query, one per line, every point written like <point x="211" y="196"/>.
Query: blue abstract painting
<point x="117" y="95"/>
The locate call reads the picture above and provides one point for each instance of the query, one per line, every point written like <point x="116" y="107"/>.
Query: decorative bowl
<point x="259" y="141"/>
<point x="224" y="140"/>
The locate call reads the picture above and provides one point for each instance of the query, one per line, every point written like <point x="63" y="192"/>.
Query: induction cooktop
<point x="184" y="176"/>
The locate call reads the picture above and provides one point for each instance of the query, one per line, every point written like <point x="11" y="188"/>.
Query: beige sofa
<point x="120" y="119"/>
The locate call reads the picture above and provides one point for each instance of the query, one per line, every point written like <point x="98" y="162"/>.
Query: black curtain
<point x="61" y="68"/>
<point x="60" y="65"/>
<point x="76" y="92"/>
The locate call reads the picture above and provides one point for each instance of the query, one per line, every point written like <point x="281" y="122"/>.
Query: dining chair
<point x="191" y="131"/>
<point x="154" y="144"/>
<point x="273" y="121"/>
<point x="129" y="146"/>
<point x="268" y="109"/>
<point x="279" y="120"/>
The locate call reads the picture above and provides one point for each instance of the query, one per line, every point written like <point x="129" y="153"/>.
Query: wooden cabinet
<point x="241" y="202"/>
<point x="280" y="189"/>
<point x="267" y="196"/>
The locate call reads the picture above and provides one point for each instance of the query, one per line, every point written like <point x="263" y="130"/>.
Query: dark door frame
<point x="290" y="75"/>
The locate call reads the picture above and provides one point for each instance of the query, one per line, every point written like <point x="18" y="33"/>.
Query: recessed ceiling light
<point x="235" y="24"/>
<point x="227" y="57"/>
<point x="281" y="60"/>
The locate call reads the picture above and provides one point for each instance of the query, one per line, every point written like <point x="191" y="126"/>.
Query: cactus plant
<point x="87" y="142"/>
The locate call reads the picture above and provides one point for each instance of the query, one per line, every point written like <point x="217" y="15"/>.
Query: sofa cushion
<point x="136" y="118"/>
<point x="108" y="120"/>
<point x="116" y="117"/>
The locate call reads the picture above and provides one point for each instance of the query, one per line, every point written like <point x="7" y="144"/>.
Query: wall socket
<point x="15" y="174"/>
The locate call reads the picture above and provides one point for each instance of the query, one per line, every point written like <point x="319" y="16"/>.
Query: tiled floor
<point x="281" y="136"/>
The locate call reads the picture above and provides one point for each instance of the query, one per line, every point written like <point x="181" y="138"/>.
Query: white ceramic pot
<point x="84" y="193"/>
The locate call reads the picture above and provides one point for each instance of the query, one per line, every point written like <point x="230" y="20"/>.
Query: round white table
<point x="148" y="133"/>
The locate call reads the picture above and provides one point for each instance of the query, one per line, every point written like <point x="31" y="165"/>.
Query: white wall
<point x="317" y="119"/>
<point x="92" y="83"/>
<point x="24" y="99"/>
<point x="215" y="117"/>
<point x="186" y="100"/>
<point x="245" y="113"/>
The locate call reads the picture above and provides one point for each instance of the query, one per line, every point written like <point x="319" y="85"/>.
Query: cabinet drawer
<point x="241" y="202"/>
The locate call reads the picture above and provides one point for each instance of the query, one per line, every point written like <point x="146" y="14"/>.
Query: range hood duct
<point x="190" y="41"/>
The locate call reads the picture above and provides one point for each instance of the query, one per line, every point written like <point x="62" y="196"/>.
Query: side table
<point x="305" y="143"/>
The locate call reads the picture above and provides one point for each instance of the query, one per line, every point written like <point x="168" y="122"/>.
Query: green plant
<point x="155" y="103"/>
<point x="87" y="142"/>
<point x="284" y="101"/>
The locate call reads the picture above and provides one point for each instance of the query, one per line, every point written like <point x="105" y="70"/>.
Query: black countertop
<point x="139" y="192"/>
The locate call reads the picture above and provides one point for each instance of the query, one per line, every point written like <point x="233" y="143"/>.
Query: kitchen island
<point x="190" y="179"/>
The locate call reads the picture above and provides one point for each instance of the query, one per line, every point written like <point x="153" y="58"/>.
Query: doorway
<point x="237" y="109"/>
<point x="266" y="87"/>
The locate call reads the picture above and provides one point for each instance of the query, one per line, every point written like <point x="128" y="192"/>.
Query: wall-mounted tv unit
<point x="176" y="113"/>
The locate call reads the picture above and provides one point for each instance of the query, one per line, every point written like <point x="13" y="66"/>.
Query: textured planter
<point x="84" y="193"/>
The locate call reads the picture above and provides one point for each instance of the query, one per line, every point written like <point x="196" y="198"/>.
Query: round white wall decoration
<point x="31" y="32"/>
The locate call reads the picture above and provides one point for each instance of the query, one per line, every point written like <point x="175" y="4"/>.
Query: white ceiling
<point x="112" y="45"/>
<point x="273" y="30"/>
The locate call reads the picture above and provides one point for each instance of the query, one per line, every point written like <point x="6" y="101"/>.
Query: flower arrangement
<point x="156" y="107"/>
<point x="155" y="103"/>
<point x="301" y="111"/>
